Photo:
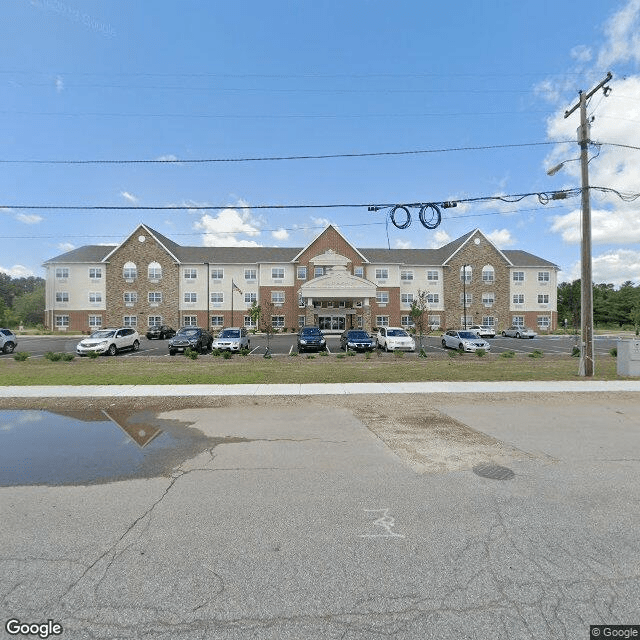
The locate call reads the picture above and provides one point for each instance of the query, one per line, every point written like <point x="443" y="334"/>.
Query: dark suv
<point x="311" y="339"/>
<point x="160" y="332"/>
<point x="194" y="338"/>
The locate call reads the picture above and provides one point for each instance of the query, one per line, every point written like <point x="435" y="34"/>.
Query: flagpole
<point x="233" y="286"/>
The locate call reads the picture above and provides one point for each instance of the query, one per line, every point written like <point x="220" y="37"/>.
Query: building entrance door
<point x="331" y="323"/>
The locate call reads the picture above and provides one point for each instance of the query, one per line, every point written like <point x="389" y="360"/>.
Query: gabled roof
<point x="466" y="239"/>
<point x="327" y="230"/>
<point x="90" y="253"/>
<point x="523" y="259"/>
<point x="163" y="241"/>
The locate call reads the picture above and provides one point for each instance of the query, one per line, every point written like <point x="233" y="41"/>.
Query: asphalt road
<point x="416" y="518"/>
<point x="38" y="346"/>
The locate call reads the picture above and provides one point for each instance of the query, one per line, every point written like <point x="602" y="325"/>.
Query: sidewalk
<point x="370" y="388"/>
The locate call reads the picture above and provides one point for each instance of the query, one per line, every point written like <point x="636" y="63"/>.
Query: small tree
<point x="419" y="315"/>
<point x="262" y="314"/>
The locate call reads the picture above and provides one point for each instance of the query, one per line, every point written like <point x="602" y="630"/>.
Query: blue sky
<point x="195" y="80"/>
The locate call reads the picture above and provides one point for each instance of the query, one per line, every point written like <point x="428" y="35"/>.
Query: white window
<point x="190" y="321"/>
<point x="302" y="321"/>
<point x="488" y="299"/>
<point x="190" y="296"/>
<point x="318" y="271"/>
<point x="465" y="321"/>
<point x="217" y="297"/>
<point x="154" y="321"/>
<point x="190" y="274"/>
<point x="382" y="321"/>
<point x="217" y="321"/>
<point x="277" y="297"/>
<point x="517" y="321"/>
<point x="130" y="297"/>
<point x="130" y="321"/>
<point x="249" y="322"/>
<point x="277" y="273"/>
<point x="217" y="273"/>
<point x="95" y="296"/>
<point x="155" y="297"/>
<point x="301" y="273"/>
<point x="466" y="299"/>
<point x="488" y="321"/>
<point x="382" y="274"/>
<point x="406" y="276"/>
<point x="154" y="271"/>
<point x="62" y="272"/>
<point x="360" y="322"/>
<point x="518" y="276"/>
<point x="543" y="298"/>
<point x="277" y="322"/>
<point x="433" y="298"/>
<point x="250" y="298"/>
<point x="62" y="321"/>
<point x="406" y="321"/>
<point x="95" y="322"/>
<point x="406" y="298"/>
<point x="544" y="322"/>
<point x="382" y="297"/>
<point x="488" y="274"/>
<point x="95" y="273"/>
<point x="518" y="298"/>
<point x="543" y="276"/>
<point x="432" y="276"/>
<point x="250" y="274"/>
<point x="466" y="273"/>
<point x="62" y="296"/>
<point x="129" y="271"/>
<point x="358" y="272"/>
<point x="434" y="321"/>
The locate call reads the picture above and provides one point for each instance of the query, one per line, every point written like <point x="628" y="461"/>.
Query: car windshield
<point x="398" y="333"/>
<point x="103" y="333"/>
<point x="230" y="333"/>
<point x="468" y="335"/>
<point x="310" y="332"/>
<point x="188" y="332"/>
<point x="358" y="335"/>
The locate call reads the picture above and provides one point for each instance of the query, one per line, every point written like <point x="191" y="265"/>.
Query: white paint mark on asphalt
<point x="385" y="522"/>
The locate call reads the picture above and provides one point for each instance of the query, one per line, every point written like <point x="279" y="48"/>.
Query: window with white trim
<point x="466" y="299"/>
<point x="433" y="298"/>
<point x="62" y="272"/>
<point x="190" y="274"/>
<point x="544" y="322"/>
<point x="277" y="297"/>
<point x="249" y="322"/>
<point x="62" y="296"/>
<point x="318" y="271"/>
<point x="382" y="297"/>
<point x="95" y="322"/>
<point x="466" y="273"/>
<point x="190" y="296"/>
<point x="155" y="297"/>
<point x="433" y="276"/>
<point x="544" y="276"/>
<point x="154" y="321"/>
<point x="251" y="297"/>
<point x="518" y="276"/>
<point x="434" y="321"/>
<point x="382" y="274"/>
<point x="62" y="321"/>
<point x="277" y="322"/>
<point x="301" y="273"/>
<point x="543" y="298"/>
<point x="466" y="321"/>
<point x="217" y="321"/>
<point x="488" y="298"/>
<point x="95" y="273"/>
<point x="302" y="321"/>
<point x="129" y="271"/>
<point x="216" y="297"/>
<point x="277" y="273"/>
<point x="250" y="274"/>
<point x="382" y="321"/>
<point x="358" y="272"/>
<point x="95" y="296"/>
<point x="406" y="298"/>
<point x="189" y="321"/>
<point x="406" y="321"/>
<point x="488" y="321"/>
<point x="488" y="274"/>
<point x="154" y="271"/>
<point x="130" y="321"/>
<point x="517" y="321"/>
<point x="217" y="273"/>
<point x="406" y="276"/>
<point x="130" y="297"/>
<point x="518" y="298"/>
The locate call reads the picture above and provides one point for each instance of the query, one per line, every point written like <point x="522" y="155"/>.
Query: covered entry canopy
<point x="338" y="284"/>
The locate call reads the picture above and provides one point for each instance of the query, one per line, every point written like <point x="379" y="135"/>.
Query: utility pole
<point x="586" y="285"/>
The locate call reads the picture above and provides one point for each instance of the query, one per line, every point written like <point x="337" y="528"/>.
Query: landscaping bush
<point x="21" y="356"/>
<point x="191" y="353"/>
<point x="480" y="353"/>
<point x="310" y="357"/>
<point x="613" y="352"/>
<point x="508" y="354"/>
<point x="351" y="353"/>
<point x="422" y="354"/>
<point x="216" y="352"/>
<point x="399" y="354"/>
<point x="53" y="357"/>
<point x="340" y="355"/>
<point x="227" y="355"/>
<point x="92" y="354"/>
<point x="68" y="357"/>
<point x="293" y="353"/>
<point x="244" y="352"/>
<point x="536" y="353"/>
<point x="575" y="352"/>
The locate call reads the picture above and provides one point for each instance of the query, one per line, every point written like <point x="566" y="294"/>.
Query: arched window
<point x="129" y="271"/>
<point x="155" y="271"/>
<point x="465" y="273"/>
<point x="488" y="274"/>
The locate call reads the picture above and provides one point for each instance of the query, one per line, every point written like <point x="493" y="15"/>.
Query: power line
<point x="278" y="158"/>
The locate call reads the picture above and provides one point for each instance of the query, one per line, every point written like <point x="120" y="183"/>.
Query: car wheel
<point x="9" y="347"/>
<point x="461" y="347"/>
<point x="136" y="345"/>
<point x="444" y="344"/>
<point x="112" y="350"/>
<point x="172" y="352"/>
<point x="518" y="335"/>
<point x="504" y="335"/>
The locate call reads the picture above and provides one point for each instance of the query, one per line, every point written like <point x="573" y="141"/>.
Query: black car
<point x="194" y="338"/>
<point x="160" y="332"/>
<point x="357" y="340"/>
<point x="311" y="339"/>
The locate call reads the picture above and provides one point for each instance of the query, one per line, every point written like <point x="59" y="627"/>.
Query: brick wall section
<point x="289" y="309"/>
<point x="477" y="256"/>
<point x="328" y="239"/>
<point x="142" y="253"/>
<point x="392" y="309"/>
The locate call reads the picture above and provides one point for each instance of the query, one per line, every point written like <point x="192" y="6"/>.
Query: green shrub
<point x="351" y="353"/>
<point x="340" y="355"/>
<point x="452" y="354"/>
<point x="324" y="353"/>
<point x="293" y="354"/>
<point x="227" y="355"/>
<point x="191" y="353"/>
<point x="480" y="353"/>
<point x="508" y="354"/>
<point x="536" y="353"/>
<point x="398" y="354"/>
<point x="613" y="352"/>
<point x="244" y="352"/>
<point x="21" y="356"/>
<point x="575" y="352"/>
<point x="310" y="357"/>
<point x="53" y="357"/>
<point x="422" y="354"/>
<point x="92" y="354"/>
<point x="68" y="357"/>
<point x="367" y="355"/>
<point x="216" y="352"/>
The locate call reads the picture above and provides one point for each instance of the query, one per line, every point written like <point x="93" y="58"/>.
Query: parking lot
<point x="283" y="344"/>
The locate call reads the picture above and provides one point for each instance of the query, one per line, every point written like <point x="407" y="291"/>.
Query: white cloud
<point x="280" y="234"/>
<point x="607" y="227"/>
<point x="612" y="267"/>
<point x="167" y="158"/>
<point x="581" y="53"/>
<point x="128" y="196"/>
<point x="623" y="32"/>
<point x="223" y="229"/>
<point x="18" y="271"/>
<point x="501" y="238"/>
<point x="440" y="238"/>
<point x="66" y="246"/>
<point x="29" y="218"/>
<point x="59" y="84"/>
<point x="402" y="244"/>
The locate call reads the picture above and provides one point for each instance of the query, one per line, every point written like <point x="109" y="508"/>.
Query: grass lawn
<point x="294" y="370"/>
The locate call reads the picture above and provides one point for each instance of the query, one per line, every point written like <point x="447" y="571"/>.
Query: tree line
<point x="21" y="301"/>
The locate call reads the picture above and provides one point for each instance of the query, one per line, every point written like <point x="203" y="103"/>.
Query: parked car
<point x="194" y="338"/>
<point x="514" y="331"/>
<point x="311" y="339"/>
<point x="464" y="341"/>
<point x="232" y="339"/>
<point x="482" y="331"/>
<point x="357" y="340"/>
<point x="109" y="341"/>
<point x="394" y="339"/>
<point x="8" y="341"/>
<point x="160" y="332"/>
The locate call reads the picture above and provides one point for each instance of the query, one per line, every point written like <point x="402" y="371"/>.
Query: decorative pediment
<point x="338" y="283"/>
<point x="330" y="259"/>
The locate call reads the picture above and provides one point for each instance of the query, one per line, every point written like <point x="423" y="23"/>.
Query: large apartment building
<point x="148" y="279"/>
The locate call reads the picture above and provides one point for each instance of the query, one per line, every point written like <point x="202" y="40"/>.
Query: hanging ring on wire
<point x="392" y="215"/>
<point x="434" y="219"/>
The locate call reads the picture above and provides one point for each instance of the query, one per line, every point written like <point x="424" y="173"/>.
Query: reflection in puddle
<point x="91" y="447"/>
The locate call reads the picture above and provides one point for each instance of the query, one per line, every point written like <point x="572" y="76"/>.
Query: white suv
<point x="109" y="341"/>
<point x="8" y="341"/>
<point x="232" y="339"/>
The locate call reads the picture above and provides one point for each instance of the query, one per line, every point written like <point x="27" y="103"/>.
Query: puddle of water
<point x="91" y="447"/>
